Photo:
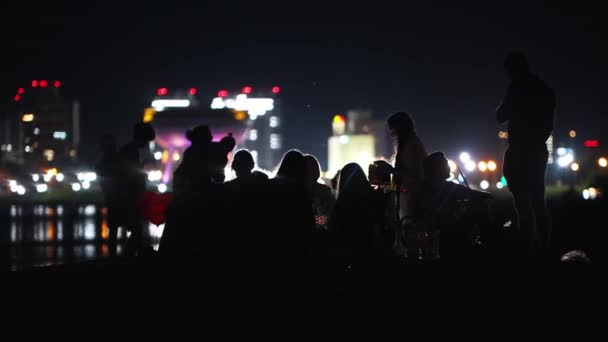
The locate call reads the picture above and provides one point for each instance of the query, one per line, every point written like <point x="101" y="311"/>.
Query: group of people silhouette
<point x="280" y="220"/>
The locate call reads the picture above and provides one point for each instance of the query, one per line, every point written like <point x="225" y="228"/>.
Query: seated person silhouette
<point x="452" y="209"/>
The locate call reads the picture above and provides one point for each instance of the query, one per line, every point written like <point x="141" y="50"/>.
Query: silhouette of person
<point x="529" y="108"/>
<point x="193" y="172"/>
<point x="133" y="184"/>
<point x="322" y="197"/>
<point x="452" y="209"/>
<point x="285" y="238"/>
<point x="242" y="165"/>
<point x="108" y="169"/>
<point x="357" y="213"/>
<point x="410" y="153"/>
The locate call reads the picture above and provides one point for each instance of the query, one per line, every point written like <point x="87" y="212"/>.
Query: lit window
<point x="253" y="135"/>
<point x="27" y="117"/>
<point x="274" y="121"/>
<point x="275" y="141"/>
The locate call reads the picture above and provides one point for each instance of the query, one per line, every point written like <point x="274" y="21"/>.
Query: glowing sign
<point x="253" y="106"/>
<point x="60" y="135"/>
<point x="160" y="105"/>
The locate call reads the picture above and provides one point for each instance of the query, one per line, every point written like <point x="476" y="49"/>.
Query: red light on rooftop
<point x="17" y="98"/>
<point x="34" y="83"/>
<point x="57" y="84"/>
<point x="276" y="90"/>
<point x="222" y="93"/>
<point x="20" y="91"/>
<point x="192" y="91"/>
<point x="44" y="83"/>
<point x="247" y="90"/>
<point x="592" y="143"/>
<point x="162" y="91"/>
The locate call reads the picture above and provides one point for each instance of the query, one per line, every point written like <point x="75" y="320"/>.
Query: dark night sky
<point x="440" y="62"/>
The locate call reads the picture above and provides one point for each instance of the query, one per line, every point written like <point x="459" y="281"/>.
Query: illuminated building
<point x="251" y="116"/>
<point x="356" y="138"/>
<point x="41" y="126"/>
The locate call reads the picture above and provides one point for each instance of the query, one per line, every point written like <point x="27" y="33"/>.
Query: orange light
<point x="50" y="231"/>
<point x="483" y="166"/>
<point x="492" y="165"/>
<point x="149" y="114"/>
<point x="105" y="231"/>
<point x="240" y="115"/>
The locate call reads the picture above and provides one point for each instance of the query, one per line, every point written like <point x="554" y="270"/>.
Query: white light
<point x="592" y="193"/>
<point x="12" y="182"/>
<point x="35" y="177"/>
<point x="274" y="121"/>
<point x="36" y="131"/>
<point x="455" y="181"/>
<point x="176" y="156"/>
<point x="561" y="151"/>
<point x="253" y="106"/>
<point x="162" y="188"/>
<point x="499" y="185"/>
<point x="218" y="103"/>
<point x="254" y="154"/>
<point x="42" y="187"/>
<point x="602" y="162"/>
<point x="89" y="210"/>
<point x="586" y="194"/>
<point x="60" y="135"/>
<point x="565" y="160"/>
<point x="21" y="190"/>
<point x="155" y="175"/>
<point x="470" y="166"/>
<point x="90" y="177"/>
<point x="86" y="185"/>
<point x="464" y="157"/>
<point x="575" y="167"/>
<point x="60" y="177"/>
<point x="253" y="135"/>
<point x="158" y="155"/>
<point x="484" y="184"/>
<point x="47" y="177"/>
<point x="275" y="141"/>
<point x="28" y="149"/>
<point x="80" y="176"/>
<point x="160" y="105"/>
<point x="76" y="186"/>
<point x="343" y="139"/>
<point x="452" y="165"/>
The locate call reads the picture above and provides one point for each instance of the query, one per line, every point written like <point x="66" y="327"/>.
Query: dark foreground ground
<point x="143" y="300"/>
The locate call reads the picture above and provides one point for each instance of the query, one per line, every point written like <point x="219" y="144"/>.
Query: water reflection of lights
<point x="105" y="231"/>
<point x="89" y="229"/>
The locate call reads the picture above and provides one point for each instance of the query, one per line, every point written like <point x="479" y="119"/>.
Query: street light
<point x="575" y="167"/>
<point x="483" y="166"/>
<point x="492" y="165"/>
<point x="603" y="162"/>
<point x="464" y="157"/>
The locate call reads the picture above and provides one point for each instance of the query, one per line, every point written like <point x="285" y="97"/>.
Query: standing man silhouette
<point x="529" y="108"/>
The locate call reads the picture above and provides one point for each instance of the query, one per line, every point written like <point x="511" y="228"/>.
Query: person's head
<point x="293" y="166"/>
<point x="313" y="169"/>
<point x="218" y="157"/>
<point x="199" y="135"/>
<point x="436" y="167"/>
<point x="143" y="133"/>
<point x="352" y="179"/>
<point x="400" y="124"/>
<point x="516" y="65"/>
<point x="242" y="163"/>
